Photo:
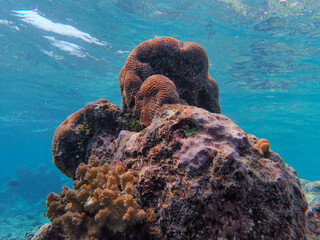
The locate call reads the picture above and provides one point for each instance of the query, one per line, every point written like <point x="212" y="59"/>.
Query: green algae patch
<point x="191" y="127"/>
<point x="85" y="129"/>
<point x="133" y="124"/>
<point x="85" y="132"/>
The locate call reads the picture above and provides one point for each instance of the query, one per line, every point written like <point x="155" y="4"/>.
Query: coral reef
<point x="185" y="64"/>
<point x="188" y="174"/>
<point x="104" y="205"/>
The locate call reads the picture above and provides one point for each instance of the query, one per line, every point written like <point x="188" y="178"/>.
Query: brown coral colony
<point x="185" y="64"/>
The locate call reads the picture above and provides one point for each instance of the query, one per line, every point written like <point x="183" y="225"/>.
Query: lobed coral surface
<point x="154" y="92"/>
<point x="184" y="63"/>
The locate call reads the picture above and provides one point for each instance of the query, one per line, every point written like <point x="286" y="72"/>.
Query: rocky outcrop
<point x="205" y="178"/>
<point x="185" y="173"/>
<point x="94" y="126"/>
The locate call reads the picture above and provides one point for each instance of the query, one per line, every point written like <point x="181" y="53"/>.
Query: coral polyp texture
<point x="184" y="63"/>
<point x="104" y="204"/>
<point x="154" y="92"/>
<point x="189" y="173"/>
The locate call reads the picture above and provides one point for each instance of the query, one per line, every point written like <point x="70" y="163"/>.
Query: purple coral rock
<point x="202" y="176"/>
<point x="206" y="180"/>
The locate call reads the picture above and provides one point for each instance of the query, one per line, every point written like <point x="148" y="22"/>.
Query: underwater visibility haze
<point x="56" y="56"/>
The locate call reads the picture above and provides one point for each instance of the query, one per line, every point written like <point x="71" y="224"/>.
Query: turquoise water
<point x="58" y="55"/>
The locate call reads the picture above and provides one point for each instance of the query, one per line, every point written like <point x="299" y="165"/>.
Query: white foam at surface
<point x="9" y="24"/>
<point x="34" y="18"/>
<point x="51" y="54"/>
<point x="4" y="22"/>
<point x="71" y="48"/>
<point x="122" y="51"/>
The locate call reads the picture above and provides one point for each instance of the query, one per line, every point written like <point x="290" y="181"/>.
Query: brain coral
<point x="103" y="205"/>
<point x="154" y="92"/>
<point x="186" y="64"/>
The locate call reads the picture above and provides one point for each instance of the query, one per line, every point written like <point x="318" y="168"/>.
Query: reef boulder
<point x="192" y="173"/>
<point x="207" y="179"/>
<point x="98" y="124"/>
<point x="199" y="175"/>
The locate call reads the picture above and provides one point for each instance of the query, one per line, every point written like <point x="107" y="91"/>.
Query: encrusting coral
<point x="154" y="92"/>
<point x="184" y="63"/>
<point x="104" y="204"/>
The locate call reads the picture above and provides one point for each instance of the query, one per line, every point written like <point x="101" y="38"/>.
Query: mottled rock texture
<point x="312" y="193"/>
<point x="47" y="232"/>
<point x="94" y="126"/>
<point x="184" y="63"/>
<point x="207" y="180"/>
<point x="203" y="177"/>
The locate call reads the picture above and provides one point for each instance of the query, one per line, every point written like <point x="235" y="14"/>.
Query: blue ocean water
<point x="58" y="55"/>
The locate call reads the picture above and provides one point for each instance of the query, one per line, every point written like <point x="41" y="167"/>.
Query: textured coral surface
<point x="184" y="63"/>
<point x="154" y="92"/>
<point x="104" y="204"/>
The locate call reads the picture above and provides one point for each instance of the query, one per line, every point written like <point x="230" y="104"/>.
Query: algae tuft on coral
<point x="133" y="124"/>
